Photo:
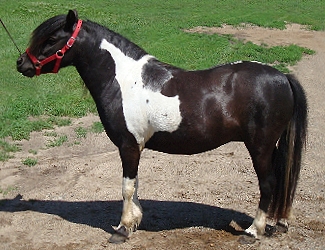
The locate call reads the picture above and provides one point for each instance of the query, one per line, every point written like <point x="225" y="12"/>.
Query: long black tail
<point x="287" y="156"/>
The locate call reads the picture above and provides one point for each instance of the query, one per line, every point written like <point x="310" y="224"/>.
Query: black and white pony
<point x="144" y="103"/>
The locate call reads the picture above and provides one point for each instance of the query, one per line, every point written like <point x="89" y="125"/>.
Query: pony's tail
<point x="287" y="155"/>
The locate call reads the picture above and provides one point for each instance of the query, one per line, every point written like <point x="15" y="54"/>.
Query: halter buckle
<point x="71" y="41"/>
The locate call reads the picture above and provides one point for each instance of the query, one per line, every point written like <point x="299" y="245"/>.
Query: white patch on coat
<point x="237" y="62"/>
<point x="259" y="62"/>
<point x="145" y="110"/>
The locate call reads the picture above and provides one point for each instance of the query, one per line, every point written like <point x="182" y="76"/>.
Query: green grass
<point x="57" y="141"/>
<point x="6" y="150"/>
<point x="30" y="162"/>
<point x="157" y="26"/>
<point x="32" y="151"/>
<point x="81" y="132"/>
<point x="97" y="127"/>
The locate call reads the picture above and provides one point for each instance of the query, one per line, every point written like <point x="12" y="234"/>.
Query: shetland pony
<point x="145" y="103"/>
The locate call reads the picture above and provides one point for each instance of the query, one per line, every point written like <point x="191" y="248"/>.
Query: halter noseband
<point x="57" y="56"/>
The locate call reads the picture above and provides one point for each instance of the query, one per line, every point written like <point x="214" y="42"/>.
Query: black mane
<point x="44" y="31"/>
<point x="129" y="48"/>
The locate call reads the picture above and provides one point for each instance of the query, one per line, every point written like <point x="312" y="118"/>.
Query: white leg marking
<point x="282" y="225"/>
<point x="259" y="224"/>
<point x="132" y="211"/>
<point x="283" y="222"/>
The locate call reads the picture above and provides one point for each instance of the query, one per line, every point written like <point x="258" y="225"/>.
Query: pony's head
<point x="51" y="46"/>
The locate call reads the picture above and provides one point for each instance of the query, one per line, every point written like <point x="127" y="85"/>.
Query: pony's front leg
<point x="132" y="211"/>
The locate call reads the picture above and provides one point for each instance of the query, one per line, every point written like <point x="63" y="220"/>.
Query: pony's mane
<point x="44" y="31"/>
<point x="125" y="45"/>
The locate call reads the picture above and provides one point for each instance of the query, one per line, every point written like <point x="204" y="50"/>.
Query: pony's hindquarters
<point x="287" y="156"/>
<point x="276" y="151"/>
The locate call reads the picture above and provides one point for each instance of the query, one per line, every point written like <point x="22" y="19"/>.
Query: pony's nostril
<point x="20" y="61"/>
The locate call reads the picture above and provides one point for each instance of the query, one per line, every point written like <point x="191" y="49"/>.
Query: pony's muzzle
<point x="25" y="66"/>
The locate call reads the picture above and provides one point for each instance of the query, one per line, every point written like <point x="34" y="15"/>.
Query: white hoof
<point x="252" y="231"/>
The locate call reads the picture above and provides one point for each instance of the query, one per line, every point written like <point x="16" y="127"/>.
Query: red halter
<point x="57" y="56"/>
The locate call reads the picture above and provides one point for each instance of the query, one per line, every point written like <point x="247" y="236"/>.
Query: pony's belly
<point x="173" y="143"/>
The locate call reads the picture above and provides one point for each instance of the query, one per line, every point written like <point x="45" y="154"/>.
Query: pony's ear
<point x="72" y="18"/>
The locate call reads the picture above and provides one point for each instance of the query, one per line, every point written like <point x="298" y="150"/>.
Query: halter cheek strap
<point x="57" y="56"/>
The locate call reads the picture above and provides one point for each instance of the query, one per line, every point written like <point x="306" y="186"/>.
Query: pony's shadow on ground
<point x="158" y="215"/>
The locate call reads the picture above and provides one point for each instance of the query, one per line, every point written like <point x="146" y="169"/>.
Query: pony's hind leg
<point x="262" y="162"/>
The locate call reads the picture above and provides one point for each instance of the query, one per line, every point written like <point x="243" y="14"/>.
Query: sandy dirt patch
<point x="293" y="34"/>
<point x="70" y="199"/>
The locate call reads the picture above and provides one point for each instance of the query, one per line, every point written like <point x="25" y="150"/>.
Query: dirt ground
<point x="70" y="199"/>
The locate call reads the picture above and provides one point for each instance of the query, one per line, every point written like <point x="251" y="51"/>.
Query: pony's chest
<point x="147" y="112"/>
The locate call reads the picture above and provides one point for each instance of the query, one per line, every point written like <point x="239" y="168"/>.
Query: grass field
<point x="157" y="26"/>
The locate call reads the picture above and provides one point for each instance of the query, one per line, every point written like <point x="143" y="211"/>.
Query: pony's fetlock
<point x="282" y="226"/>
<point x="258" y="226"/>
<point x="254" y="231"/>
<point x="123" y="230"/>
<point x="120" y="236"/>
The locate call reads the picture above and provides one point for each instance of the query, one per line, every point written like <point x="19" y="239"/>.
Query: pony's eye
<point x="51" y="41"/>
